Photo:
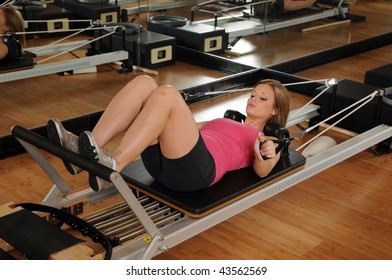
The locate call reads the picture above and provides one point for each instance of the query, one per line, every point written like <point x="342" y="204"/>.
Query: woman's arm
<point x="261" y="166"/>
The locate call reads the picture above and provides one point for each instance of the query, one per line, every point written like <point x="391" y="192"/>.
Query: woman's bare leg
<point x="123" y="109"/>
<point x="148" y="114"/>
<point x="166" y="118"/>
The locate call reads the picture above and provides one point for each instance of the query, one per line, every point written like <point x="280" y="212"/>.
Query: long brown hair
<point x="15" y="22"/>
<point x="282" y="101"/>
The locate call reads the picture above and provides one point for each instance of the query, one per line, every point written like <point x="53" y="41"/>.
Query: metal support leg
<point x="134" y="204"/>
<point x="152" y="249"/>
<point x="46" y="166"/>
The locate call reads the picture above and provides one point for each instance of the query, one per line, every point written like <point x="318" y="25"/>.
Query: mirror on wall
<point x="267" y="32"/>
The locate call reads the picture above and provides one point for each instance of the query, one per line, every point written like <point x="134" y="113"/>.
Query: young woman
<point x="177" y="151"/>
<point x="10" y="21"/>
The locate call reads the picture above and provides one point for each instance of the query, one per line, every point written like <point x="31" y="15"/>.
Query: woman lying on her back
<point x="177" y="151"/>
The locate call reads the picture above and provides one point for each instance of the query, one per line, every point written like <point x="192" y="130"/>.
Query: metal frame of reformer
<point x="263" y="26"/>
<point x="161" y="239"/>
<point x="187" y="227"/>
<point x="64" y="66"/>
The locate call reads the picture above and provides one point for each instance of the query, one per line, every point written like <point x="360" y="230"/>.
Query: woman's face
<point x="261" y="103"/>
<point x="3" y="26"/>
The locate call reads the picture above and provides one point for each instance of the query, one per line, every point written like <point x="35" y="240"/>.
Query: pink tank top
<point x="230" y="144"/>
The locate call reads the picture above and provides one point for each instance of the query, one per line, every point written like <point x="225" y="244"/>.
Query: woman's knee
<point x="166" y="93"/>
<point x="139" y="87"/>
<point x="142" y="83"/>
<point x="145" y="80"/>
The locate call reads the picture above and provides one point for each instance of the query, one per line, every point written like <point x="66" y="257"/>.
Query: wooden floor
<point x="342" y="213"/>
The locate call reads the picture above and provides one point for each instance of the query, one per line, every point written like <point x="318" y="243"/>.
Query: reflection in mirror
<point x="275" y="31"/>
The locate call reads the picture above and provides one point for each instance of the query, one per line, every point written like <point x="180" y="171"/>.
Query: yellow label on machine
<point x="147" y="239"/>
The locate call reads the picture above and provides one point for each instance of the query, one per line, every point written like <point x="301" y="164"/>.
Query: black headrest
<point x="234" y="115"/>
<point x="14" y="48"/>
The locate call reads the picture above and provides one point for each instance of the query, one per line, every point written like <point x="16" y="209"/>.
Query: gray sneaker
<point x="89" y="148"/>
<point x="59" y="135"/>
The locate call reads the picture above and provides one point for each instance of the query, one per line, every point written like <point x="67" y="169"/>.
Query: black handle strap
<point x="282" y="143"/>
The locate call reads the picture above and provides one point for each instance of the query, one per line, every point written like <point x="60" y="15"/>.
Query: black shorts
<point x="194" y="171"/>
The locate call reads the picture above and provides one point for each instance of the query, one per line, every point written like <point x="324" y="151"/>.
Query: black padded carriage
<point x="232" y="187"/>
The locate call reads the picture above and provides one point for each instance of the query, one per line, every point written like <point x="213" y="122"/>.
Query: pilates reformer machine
<point x="150" y="218"/>
<point x="125" y="43"/>
<point x="245" y="24"/>
<point x="28" y="66"/>
<point x="44" y="20"/>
